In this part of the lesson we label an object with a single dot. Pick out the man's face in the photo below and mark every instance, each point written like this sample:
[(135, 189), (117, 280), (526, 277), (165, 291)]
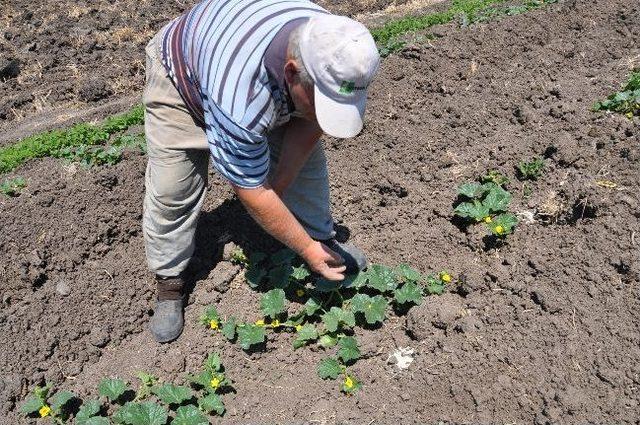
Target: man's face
[(302, 95)]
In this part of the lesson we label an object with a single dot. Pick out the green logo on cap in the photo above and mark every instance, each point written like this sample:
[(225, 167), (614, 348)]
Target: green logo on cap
[(347, 87)]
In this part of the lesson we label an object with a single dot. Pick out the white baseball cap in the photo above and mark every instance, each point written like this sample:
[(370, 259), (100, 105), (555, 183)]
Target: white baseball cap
[(342, 59)]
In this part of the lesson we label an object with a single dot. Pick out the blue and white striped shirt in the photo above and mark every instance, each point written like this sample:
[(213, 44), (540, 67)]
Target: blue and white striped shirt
[(215, 55)]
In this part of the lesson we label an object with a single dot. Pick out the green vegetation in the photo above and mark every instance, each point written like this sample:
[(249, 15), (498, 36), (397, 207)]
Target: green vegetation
[(322, 312), (530, 170), (153, 403), (487, 202), (11, 187), (626, 101), (71, 143), (469, 12)]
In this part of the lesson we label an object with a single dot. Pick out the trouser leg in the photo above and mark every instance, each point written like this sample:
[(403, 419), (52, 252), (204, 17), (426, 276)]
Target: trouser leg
[(175, 190), (308, 195), (176, 175)]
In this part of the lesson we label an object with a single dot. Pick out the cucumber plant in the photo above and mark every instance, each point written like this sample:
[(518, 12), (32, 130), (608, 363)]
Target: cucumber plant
[(322, 312), (153, 403), (488, 203)]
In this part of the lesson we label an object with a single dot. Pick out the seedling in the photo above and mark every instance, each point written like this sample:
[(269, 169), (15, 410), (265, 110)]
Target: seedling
[(323, 312), (154, 401), (530, 170), (11, 187), (626, 101), (488, 203), (42, 404)]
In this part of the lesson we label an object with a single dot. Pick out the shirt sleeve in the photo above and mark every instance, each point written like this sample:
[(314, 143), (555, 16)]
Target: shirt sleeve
[(239, 155)]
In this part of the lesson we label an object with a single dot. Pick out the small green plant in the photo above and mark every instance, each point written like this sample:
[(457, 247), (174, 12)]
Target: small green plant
[(322, 312), (154, 402), (488, 203), (11, 187), (42, 404), (626, 101), (530, 170)]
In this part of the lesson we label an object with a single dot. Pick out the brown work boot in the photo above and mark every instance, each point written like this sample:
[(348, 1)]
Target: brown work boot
[(168, 321)]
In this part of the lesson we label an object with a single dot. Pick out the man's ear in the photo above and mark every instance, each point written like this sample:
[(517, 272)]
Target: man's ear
[(290, 71)]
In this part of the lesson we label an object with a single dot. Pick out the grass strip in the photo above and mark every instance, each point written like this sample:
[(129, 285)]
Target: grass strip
[(470, 11), (53, 143)]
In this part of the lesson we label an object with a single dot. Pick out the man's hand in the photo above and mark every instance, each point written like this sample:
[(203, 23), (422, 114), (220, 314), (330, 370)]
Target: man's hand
[(324, 261), (270, 212)]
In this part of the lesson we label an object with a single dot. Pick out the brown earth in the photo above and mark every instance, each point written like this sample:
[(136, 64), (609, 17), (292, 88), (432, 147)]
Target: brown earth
[(545, 328)]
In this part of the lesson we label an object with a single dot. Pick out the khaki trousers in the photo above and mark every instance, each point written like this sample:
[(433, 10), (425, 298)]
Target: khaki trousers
[(177, 169)]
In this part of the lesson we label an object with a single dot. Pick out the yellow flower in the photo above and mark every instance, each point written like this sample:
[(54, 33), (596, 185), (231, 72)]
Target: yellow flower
[(215, 383), (44, 411), (275, 323), (487, 219), (300, 292), (446, 277), (298, 328), (260, 322), (499, 229), (213, 324), (348, 382)]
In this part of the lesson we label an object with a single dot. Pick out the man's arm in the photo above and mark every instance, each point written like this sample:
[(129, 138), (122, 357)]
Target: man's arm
[(265, 206), (300, 137)]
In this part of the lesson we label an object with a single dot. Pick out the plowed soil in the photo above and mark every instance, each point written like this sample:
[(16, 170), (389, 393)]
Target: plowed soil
[(545, 328)]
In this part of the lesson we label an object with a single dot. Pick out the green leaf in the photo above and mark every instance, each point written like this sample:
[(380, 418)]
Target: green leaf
[(147, 379), (249, 335), (59, 400), (328, 341), (213, 363), (273, 302), (279, 276), (112, 388), (435, 286), (42, 392), (311, 306), (348, 349), (147, 413), (497, 200), (502, 224), (189, 415), (355, 281), (470, 190), (408, 274), (329, 368), (381, 278), (283, 256), (257, 257), (32, 405), (336, 317), (307, 333), (94, 420), (211, 403), (172, 394), (350, 385), (373, 308), (210, 314), (229, 328), (474, 210), (202, 379), (300, 273), (254, 275), (324, 285), (408, 293), (87, 410)]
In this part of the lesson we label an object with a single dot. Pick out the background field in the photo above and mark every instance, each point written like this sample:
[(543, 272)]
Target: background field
[(545, 329)]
